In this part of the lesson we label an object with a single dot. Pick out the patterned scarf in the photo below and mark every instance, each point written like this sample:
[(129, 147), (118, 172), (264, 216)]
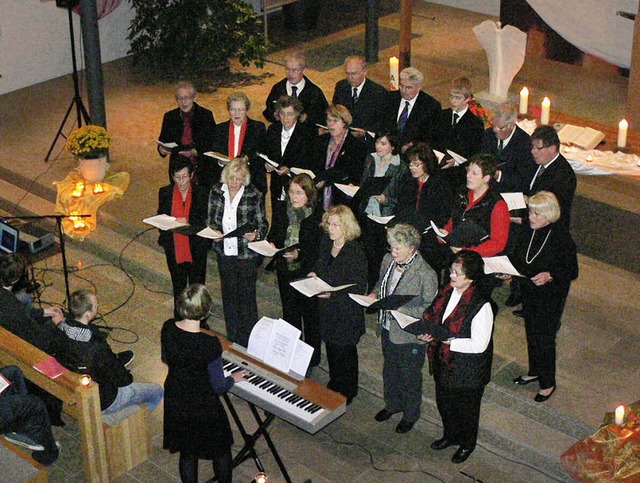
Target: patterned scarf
[(453, 323), (383, 315), (295, 216)]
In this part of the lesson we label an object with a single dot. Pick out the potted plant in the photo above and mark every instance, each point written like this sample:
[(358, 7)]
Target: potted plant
[(90, 144)]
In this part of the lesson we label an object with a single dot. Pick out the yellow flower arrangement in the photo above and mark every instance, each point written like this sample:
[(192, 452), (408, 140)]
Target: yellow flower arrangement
[(88, 142)]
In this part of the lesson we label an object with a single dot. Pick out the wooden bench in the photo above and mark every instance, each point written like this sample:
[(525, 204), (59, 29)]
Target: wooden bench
[(20, 466), (110, 448)]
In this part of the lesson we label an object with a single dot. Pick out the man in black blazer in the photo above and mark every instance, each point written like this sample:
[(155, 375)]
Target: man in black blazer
[(367, 103), (413, 112), (517, 167), (554, 172), (190, 126), (296, 84)]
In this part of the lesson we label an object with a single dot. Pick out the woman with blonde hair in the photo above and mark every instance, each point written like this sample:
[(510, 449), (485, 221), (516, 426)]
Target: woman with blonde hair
[(235, 203), (341, 261), (340, 157)]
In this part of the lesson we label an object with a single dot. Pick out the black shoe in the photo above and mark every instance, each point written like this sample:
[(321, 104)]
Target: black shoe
[(383, 415), (47, 458), (461, 455), (521, 381), (125, 357), (404, 426), (441, 443), (519, 313), (513, 300), (542, 398)]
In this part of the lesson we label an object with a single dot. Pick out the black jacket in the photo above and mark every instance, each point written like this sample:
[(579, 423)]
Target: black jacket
[(371, 102), (312, 98)]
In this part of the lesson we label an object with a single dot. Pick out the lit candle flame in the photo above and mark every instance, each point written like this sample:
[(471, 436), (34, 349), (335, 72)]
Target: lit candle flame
[(85, 380), (77, 193), (589, 158), (98, 188)]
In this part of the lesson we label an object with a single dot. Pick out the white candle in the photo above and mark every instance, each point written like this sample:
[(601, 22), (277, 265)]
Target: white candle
[(524, 101), (623, 127), (394, 72), (620, 415), (544, 114)]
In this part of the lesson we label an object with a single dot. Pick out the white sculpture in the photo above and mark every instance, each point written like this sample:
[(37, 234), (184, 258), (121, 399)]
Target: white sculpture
[(505, 48)]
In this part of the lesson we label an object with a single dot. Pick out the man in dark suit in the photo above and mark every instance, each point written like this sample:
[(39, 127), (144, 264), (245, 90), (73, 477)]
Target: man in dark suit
[(459, 130), (413, 112), (363, 97), (512, 146), (190, 126), (296, 84), (240, 136), (554, 171)]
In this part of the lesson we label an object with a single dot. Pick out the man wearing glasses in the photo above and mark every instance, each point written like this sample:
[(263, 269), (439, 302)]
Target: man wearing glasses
[(190, 126), (297, 85), (512, 146), (363, 97)]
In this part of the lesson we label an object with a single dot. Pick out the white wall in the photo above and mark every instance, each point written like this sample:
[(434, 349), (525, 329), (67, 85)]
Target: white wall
[(488, 7), (35, 45)]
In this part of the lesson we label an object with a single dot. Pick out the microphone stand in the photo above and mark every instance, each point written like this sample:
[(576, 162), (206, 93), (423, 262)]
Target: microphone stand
[(58, 219)]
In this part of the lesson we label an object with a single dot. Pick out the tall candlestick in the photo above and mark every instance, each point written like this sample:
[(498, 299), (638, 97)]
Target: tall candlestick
[(524, 101), (619, 419), (394, 72), (544, 114), (623, 127)]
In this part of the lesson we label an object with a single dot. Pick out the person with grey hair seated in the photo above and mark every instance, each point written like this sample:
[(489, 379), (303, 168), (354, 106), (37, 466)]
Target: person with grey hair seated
[(234, 204), (403, 272)]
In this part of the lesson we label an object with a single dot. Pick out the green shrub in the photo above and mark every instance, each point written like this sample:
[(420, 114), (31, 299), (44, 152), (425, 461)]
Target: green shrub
[(172, 39)]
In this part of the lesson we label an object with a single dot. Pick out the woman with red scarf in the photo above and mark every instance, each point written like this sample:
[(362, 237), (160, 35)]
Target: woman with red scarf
[(459, 331), (186, 254)]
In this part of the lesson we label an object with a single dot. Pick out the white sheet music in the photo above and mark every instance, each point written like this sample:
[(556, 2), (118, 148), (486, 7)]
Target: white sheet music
[(348, 190), (263, 247), (515, 201), (403, 319), (163, 222), (456, 157), (5, 383), (363, 300), (210, 233), (500, 264), (311, 286), (277, 343), (167, 145), (301, 357), (383, 220), (311, 174)]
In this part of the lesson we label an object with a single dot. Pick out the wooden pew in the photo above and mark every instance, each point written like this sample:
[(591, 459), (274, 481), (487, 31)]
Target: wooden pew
[(20, 466), (80, 402)]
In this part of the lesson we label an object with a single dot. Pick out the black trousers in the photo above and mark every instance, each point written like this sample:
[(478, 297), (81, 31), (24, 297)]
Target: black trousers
[(402, 377), (23, 413), (460, 413), (343, 369), (301, 312), (238, 285), (184, 274)]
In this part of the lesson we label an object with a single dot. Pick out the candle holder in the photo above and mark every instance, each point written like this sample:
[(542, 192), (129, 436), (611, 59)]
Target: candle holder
[(261, 478), (619, 415), (85, 380)]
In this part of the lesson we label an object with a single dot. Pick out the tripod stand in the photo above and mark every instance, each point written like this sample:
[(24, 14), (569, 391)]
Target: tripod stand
[(81, 111)]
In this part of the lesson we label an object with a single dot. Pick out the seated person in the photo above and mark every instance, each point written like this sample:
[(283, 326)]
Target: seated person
[(32, 325), (24, 420), (95, 358)]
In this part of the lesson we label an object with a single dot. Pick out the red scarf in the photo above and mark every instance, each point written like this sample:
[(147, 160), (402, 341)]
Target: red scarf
[(420, 185), (180, 209), (232, 139), (453, 323)]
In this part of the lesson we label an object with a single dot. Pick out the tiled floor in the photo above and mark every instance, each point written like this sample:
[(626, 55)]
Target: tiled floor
[(520, 440)]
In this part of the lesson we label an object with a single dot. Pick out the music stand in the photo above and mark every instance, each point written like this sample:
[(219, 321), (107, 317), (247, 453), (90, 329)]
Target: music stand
[(58, 219), (81, 111)]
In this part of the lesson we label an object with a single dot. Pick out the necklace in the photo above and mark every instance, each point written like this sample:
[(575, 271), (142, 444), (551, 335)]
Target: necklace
[(539, 250)]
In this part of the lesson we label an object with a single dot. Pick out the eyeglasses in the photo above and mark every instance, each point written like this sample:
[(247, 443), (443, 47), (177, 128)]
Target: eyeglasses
[(453, 273), (415, 164), (292, 70), (237, 110), (538, 148), (184, 98), (353, 74), (181, 177), (287, 114), (502, 128)]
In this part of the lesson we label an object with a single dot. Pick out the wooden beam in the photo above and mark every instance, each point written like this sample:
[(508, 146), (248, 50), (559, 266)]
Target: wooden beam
[(633, 100), (406, 12)]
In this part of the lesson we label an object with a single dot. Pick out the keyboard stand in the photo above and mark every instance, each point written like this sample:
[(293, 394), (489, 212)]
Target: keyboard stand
[(248, 450)]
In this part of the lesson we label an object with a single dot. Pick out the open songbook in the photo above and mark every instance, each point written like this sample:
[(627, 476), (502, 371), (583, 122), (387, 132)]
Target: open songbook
[(277, 343), (390, 302), (583, 137), (383, 220), (349, 190), (4, 383), (500, 264), (311, 174), (466, 234), (515, 201), (312, 286), (169, 146), (163, 222), (219, 156), (216, 235), (264, 248)]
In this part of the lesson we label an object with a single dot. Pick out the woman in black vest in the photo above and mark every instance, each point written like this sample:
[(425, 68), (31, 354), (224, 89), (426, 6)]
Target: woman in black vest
[(460, 322)]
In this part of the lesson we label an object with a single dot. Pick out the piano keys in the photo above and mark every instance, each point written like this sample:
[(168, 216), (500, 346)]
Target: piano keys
[(305, 404)]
